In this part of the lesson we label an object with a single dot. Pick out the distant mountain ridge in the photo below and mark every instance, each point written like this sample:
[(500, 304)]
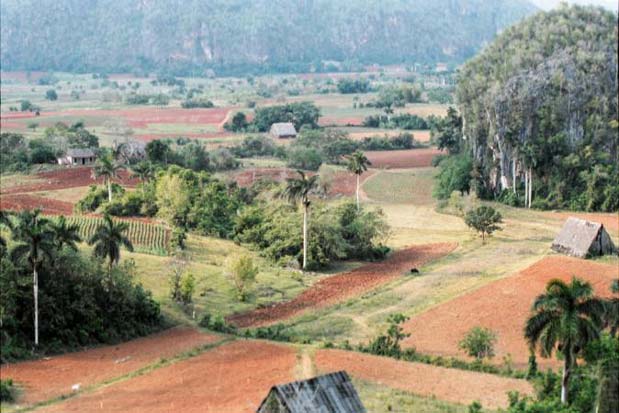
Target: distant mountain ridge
[(185, 36)]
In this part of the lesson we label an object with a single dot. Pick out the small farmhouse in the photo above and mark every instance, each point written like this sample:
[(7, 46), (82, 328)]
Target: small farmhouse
[(78, 157), (580, 238), (331, 393), (283, 130)]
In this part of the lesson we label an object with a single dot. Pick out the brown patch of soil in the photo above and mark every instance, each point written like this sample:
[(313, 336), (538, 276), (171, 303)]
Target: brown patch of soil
[(345, 183), (247, 177), (233, 377), (19, 202), (406, 158), (67, 178), (451, 385), (503, 306), (346, 285), (610, 220), (49, 378)]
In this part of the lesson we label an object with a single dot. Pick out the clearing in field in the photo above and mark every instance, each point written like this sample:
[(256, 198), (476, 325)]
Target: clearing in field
[(405, 158), (338, 287), (457, 386), (502, 306), (233, 377), (49, 378)]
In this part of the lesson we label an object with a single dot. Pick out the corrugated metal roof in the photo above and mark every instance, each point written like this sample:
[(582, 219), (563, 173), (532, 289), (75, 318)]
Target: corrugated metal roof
[(283, 129), (331, 393), (80, 153), (580, 238)]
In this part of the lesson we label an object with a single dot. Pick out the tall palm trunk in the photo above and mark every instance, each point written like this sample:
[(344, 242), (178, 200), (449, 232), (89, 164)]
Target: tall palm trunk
[(35, 276), (567, 371), (358, 190), (530, 186), (305, 213), (526, 188), (109, 189)]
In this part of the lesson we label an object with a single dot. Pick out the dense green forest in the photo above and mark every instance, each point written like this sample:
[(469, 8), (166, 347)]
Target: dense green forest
[(539, 113), (190, 37)]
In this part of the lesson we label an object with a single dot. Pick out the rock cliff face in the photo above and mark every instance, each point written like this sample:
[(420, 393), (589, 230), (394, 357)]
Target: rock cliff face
[(542, 98), (118, 35)]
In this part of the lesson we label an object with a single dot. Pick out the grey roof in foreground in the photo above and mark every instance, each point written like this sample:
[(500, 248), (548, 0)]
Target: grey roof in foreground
[(283, 129), (80, 153), (581, 238), (330, 393)]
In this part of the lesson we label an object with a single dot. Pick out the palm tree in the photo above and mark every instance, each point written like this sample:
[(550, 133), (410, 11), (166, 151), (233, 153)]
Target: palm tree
[(108, 169), (357, 164), (35, 240), (65, 234), (299, 190), (567, 316), (108, 238), (143, 171), (611, 316), (6, 222)]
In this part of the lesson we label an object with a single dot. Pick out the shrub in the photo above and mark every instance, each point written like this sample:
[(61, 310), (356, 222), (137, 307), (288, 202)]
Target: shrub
[(7, 391), (51, 95), (388, 344), (242, 272), (216, 324), (308, 159), (455, 175), (479, 342), (484, 220), (187, 287), (197, 103)]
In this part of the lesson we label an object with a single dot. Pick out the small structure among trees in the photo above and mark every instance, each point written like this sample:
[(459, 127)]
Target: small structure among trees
[(331, 393), (78, 156), (580, 238), (283, 130)]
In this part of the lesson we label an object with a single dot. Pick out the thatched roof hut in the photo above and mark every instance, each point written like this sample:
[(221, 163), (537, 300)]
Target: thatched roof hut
[(580, 238), (283, 130), (331, 393)]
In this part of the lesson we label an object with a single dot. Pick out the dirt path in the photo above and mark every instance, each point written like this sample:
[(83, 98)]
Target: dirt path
[(503, 306), (233, 377), (52, 377), (451, 385), (340, 287)]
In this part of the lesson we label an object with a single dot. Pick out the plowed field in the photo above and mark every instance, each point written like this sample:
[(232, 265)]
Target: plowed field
[(342, 286), (503, 306), (233, 377), (451, 385), (66, 178), (49, 378), (407, 158), (19, 202)]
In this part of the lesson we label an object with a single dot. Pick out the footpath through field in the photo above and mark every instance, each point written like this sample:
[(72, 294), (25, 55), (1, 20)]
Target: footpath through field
[(52, 377), (502, 306), (343, 286)]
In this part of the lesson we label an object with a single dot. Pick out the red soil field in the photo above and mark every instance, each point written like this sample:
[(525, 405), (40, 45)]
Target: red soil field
[(407, 158), (21, 76), (451, 385), (233, 377), (346, 285), (247, 177), (330, 121), (52, 377), (66, 178), (345, 183), (610, 221), (503, 306), (19, 202), (152, 136)]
